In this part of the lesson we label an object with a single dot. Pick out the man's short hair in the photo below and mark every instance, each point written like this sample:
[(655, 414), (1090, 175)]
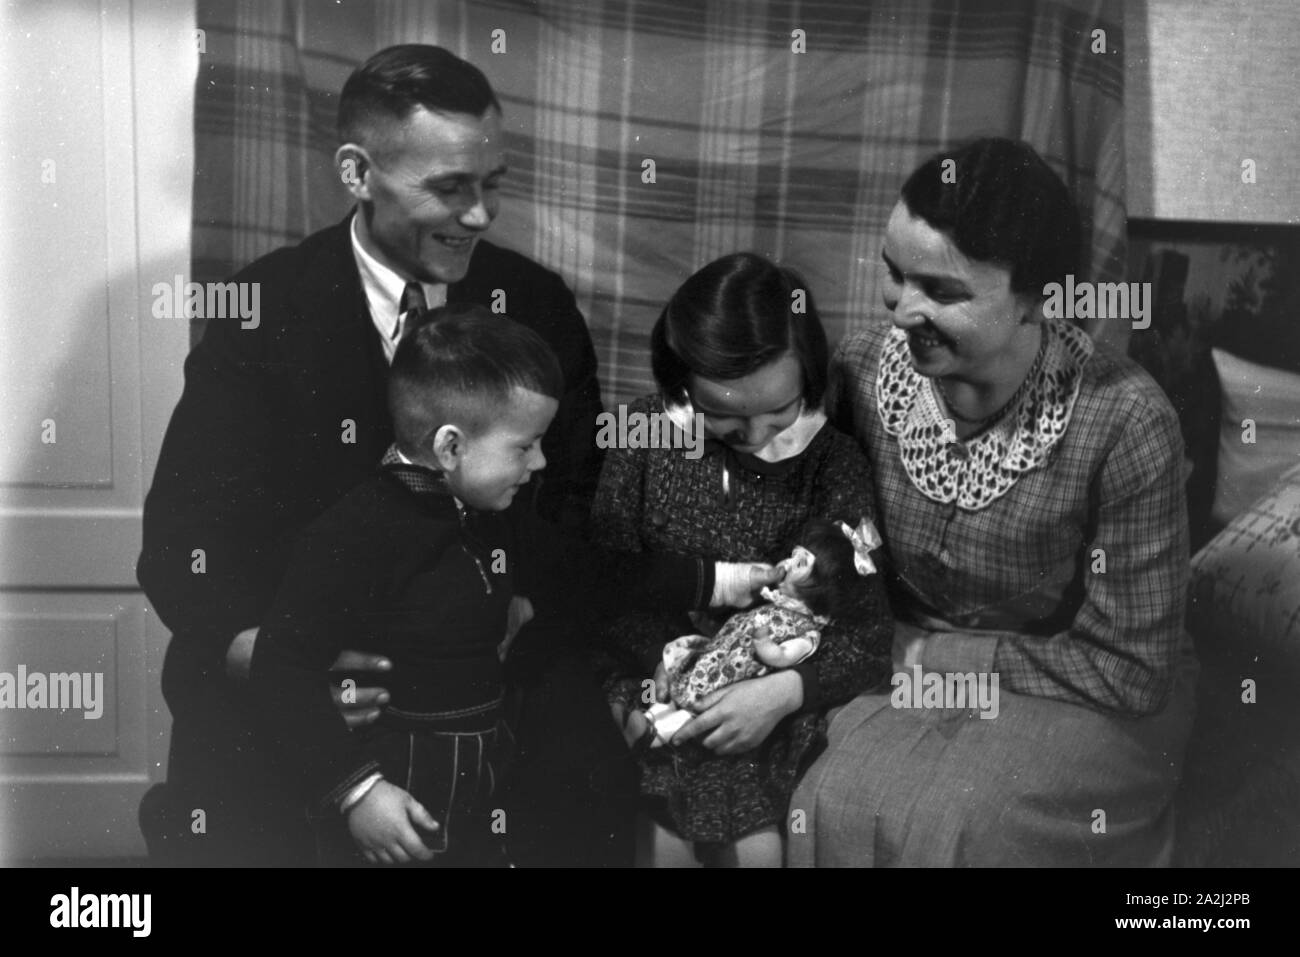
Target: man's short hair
[(396, 80), (460, 367)]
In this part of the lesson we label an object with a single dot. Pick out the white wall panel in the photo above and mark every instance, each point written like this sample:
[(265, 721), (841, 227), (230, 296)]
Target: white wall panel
[(96, 120)]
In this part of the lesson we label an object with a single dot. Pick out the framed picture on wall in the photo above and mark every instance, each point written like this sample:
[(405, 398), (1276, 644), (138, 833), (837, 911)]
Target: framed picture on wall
[(1225, 323)]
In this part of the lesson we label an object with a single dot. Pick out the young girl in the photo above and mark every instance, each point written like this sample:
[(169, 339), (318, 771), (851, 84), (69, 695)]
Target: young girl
[(821, 580), (729, 349)]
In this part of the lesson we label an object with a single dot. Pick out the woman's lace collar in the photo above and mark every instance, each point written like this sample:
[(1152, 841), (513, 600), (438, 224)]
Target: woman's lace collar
[(977, 472)]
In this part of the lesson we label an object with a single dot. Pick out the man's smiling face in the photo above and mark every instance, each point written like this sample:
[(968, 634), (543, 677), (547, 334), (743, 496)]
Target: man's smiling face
[(427, 188)]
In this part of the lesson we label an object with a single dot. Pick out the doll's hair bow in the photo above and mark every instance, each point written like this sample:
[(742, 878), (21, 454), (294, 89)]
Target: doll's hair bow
[(864, 538)]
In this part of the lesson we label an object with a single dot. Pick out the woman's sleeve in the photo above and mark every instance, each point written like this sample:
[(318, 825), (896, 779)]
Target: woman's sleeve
[(1119, 653), (854, 654)]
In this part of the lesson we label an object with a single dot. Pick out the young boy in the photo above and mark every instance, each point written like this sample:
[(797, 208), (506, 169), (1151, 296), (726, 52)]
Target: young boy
[(419, 564)]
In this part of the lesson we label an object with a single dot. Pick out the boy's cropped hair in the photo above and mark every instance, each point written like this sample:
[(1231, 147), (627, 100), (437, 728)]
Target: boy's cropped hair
[(396, 80), (459, 367)]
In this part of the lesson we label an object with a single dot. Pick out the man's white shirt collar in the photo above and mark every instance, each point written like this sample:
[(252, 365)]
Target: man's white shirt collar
[(383, 288)]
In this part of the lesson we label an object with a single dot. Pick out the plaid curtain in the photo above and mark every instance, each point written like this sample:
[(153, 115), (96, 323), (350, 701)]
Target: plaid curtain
[(795, 155)]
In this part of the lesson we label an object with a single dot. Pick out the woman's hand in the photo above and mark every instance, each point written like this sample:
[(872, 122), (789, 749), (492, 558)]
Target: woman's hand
[(739, 717), (909, 642)]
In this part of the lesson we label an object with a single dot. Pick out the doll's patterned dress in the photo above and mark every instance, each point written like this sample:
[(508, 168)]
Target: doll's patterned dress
[(697, 665)]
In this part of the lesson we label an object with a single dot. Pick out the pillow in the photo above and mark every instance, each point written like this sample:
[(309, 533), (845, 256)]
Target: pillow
[(1240, 797), (1271, 397), (1245, 584)]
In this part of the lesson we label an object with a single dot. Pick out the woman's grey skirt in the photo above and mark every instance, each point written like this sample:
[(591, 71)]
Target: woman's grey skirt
[(1045, 783)]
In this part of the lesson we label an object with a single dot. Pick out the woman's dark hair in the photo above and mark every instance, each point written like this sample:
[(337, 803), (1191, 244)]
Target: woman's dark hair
[(1003, 204), (734, 316), (397, 79), (834, 587)]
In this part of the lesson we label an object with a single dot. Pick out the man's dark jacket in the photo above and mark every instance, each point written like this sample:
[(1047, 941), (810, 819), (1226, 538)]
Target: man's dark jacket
[(277, 422), (274, 425)]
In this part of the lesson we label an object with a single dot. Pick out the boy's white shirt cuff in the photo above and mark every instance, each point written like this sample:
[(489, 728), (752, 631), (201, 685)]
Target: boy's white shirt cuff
[(353, 797)]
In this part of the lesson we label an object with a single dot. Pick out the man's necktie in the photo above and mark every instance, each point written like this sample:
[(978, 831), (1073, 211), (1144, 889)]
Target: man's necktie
[(411, 309)]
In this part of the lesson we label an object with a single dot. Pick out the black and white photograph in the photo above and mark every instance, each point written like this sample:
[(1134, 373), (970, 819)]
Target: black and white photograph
[(620, 434)]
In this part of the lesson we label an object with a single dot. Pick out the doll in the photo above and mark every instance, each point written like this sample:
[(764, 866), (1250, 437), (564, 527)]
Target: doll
[(820, 576)]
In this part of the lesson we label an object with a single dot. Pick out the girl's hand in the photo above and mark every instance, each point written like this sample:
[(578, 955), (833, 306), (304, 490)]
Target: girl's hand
[(739, 717), (737, 584), (661, 684), (384, 826)]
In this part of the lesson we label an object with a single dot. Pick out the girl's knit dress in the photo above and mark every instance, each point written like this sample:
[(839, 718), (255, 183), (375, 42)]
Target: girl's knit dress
[(735, 507)]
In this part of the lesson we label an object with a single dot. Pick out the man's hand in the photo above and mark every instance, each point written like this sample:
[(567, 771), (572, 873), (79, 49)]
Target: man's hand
[(519, 614), (362, 705), (384, 826), (739, 717), (359, 706), (735, 584), (239, 656)]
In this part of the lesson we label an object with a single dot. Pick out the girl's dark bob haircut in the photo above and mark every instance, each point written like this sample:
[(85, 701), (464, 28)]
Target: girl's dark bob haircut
[(732, 317)]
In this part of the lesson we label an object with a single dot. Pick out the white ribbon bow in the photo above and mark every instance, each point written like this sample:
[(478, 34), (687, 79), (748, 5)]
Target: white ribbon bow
[(864, 539)]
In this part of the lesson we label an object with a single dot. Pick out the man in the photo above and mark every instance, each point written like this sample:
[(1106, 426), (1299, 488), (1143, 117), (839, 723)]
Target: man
[(276, 422)]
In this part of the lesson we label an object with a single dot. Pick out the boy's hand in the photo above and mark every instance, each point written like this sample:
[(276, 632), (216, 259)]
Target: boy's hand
[(384, 826), (362, 705)]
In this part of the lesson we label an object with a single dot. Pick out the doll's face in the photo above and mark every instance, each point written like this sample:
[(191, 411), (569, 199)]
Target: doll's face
[(798, 570)]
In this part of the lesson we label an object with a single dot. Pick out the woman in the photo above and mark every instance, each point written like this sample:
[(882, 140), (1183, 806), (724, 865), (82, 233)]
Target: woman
[(1029, 490), (732, 346)]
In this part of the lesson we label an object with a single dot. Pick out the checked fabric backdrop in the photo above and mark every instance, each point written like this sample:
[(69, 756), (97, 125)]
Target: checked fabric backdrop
[(798, 156)]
